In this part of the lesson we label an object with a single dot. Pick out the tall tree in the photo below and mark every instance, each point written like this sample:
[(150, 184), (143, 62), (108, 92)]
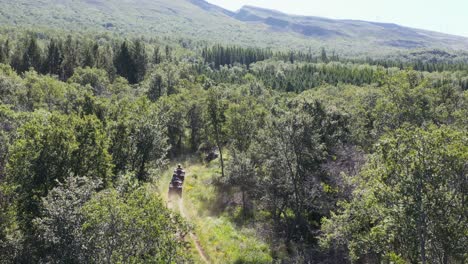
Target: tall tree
[(140, 60), (242, 123), (324, 56), (157, 56), (105, 60), (168, 53), (89, 55), (70, 58), (124, 63), (156, 87), (3, 53), (31, 56), (54, 58), (242, 174), (215, 109), (297, 142), (139, 142)]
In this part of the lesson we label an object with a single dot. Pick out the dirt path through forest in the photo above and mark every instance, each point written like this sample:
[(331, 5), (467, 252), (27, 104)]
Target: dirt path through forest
[(193, 236), (195, 239)]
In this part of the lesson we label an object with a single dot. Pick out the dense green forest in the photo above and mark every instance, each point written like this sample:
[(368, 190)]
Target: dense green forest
[(329, 159)]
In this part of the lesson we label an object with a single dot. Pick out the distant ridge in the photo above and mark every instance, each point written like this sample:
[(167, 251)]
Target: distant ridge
[(249, 26)]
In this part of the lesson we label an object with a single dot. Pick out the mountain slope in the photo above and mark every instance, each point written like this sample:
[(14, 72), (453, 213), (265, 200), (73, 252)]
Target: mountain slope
[(201, 20), (384, 34)]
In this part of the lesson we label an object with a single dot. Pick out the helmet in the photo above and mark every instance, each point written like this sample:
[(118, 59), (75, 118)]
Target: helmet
[(179, 166)]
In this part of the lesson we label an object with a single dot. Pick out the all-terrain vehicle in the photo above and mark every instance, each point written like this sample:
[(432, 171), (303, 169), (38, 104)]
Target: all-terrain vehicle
[(177, 182), (179, 172), (175, 187)]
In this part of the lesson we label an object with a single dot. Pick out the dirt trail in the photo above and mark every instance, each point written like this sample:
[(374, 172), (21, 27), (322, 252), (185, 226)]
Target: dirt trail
[(194, 237)]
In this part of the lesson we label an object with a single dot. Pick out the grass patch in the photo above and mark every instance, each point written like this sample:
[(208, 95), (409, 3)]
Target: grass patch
[(227, 244)]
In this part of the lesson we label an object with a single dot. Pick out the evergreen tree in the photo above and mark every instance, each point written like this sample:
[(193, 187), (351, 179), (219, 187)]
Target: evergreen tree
[(89, 56), (105, 60), (155, 87), (31, 56), (140, 60), (157, 57), (168, 51), (323, 56), (54, 58), (70, 58), (7, 49), (3, 54), (124, 63)]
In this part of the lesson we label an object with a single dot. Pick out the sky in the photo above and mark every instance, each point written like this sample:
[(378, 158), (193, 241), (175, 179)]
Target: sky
[(448, 16)]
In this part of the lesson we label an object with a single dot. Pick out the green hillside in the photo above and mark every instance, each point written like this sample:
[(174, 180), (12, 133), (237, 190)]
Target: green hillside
[(197, 19), (379, 34)]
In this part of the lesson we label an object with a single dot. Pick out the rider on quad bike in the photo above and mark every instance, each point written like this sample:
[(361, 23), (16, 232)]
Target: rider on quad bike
[(175, 187), (179, 172)]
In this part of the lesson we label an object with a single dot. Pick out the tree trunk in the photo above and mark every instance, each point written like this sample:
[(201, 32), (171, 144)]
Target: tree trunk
[(221, 159), (218, 143), (244, 213)]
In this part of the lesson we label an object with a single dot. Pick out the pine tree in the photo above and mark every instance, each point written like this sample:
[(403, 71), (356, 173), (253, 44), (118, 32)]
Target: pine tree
[(157, 57), (54, 58), (89, 58), (124, 63), (70, 58), (105, 60), (6, 49), (156, 87), (140, 60), (168, 53), (3, 57), (324, 55), (31, 56)]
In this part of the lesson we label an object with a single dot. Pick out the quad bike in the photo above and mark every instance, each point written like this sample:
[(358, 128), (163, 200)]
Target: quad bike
[(175, 187), (179, 173), (177, 182)]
